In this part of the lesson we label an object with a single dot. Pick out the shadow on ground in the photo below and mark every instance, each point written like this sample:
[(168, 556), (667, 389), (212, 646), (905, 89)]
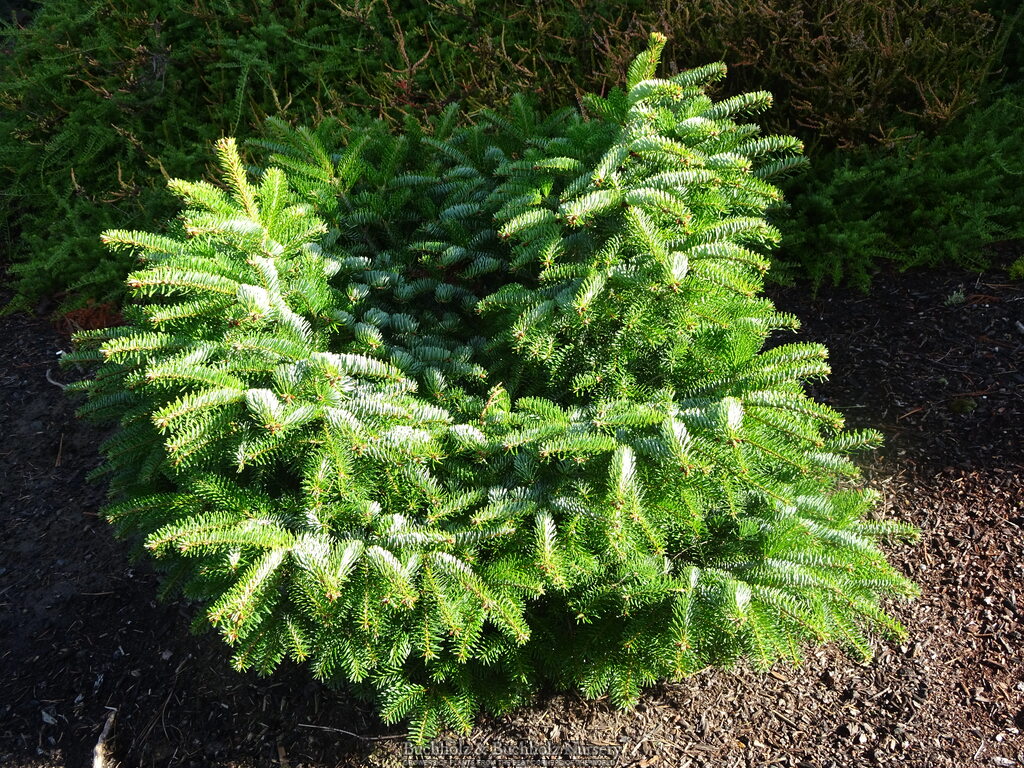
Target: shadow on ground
[(936, 368)]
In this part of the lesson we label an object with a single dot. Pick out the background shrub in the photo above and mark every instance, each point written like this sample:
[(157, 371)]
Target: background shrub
[(454, 415), (105, 100), (1009, 18), (928, 201)]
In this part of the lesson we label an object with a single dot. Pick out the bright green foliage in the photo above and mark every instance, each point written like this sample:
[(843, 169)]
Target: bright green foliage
[(454, 414), (102, 100), (930, 202)]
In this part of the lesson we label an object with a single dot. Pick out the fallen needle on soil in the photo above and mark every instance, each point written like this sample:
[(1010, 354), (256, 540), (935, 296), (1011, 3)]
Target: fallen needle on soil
[(348, 733), (53, 381)]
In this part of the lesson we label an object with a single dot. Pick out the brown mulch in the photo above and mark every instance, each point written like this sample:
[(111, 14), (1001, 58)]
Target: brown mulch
[(935, 363)]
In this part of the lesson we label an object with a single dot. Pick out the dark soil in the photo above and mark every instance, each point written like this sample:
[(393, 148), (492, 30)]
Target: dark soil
[(934, 363)]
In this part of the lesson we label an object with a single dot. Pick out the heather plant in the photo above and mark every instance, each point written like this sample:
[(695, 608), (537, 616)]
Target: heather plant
[(849, 73), (103, 101), (454, 413)]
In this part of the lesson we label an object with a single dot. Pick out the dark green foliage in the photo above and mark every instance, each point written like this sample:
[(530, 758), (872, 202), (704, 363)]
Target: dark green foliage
[(929, 202), (104, 99), (457, 413), (107, 100), (1009, 15)]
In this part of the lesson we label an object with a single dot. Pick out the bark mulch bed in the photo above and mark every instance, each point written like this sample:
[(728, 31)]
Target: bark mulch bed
[(933, 362)]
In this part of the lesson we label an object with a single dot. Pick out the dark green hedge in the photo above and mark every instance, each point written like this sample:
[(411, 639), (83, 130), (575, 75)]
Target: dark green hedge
[(103, 100), (927, 202)]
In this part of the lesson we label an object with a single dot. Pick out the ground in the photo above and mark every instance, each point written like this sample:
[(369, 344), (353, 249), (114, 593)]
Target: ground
[(935, 363)]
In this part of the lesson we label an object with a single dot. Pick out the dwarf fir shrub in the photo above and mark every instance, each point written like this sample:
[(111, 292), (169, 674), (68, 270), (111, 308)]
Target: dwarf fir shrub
[(457, 413)]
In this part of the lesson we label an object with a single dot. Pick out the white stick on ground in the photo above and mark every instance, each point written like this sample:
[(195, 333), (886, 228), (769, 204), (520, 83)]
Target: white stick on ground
[(99, 752)]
